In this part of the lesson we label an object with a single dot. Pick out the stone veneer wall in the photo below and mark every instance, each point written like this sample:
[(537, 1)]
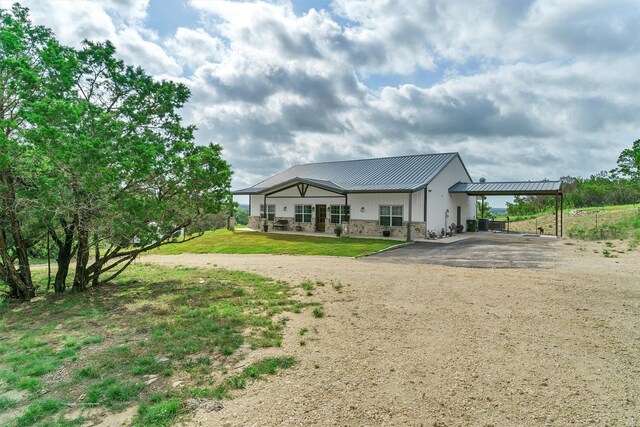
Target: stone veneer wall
[(355, 227), (255, 223), (359, 227)]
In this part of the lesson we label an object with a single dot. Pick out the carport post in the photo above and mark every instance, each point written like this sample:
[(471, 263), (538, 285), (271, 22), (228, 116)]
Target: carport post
[(561, 212), (556, 214)]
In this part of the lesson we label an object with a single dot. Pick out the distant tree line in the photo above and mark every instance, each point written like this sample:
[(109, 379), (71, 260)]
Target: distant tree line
[(94, 160), (619, 186)]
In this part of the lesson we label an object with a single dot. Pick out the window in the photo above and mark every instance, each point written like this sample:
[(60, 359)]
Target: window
[(391, 215), (339, 214), (271, 212), (302, 213)]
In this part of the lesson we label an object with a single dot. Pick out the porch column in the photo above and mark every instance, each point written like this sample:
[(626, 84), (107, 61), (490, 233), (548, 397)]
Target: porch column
[(409, 219)]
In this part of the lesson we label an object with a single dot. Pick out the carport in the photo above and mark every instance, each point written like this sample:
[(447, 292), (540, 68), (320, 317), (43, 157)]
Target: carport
[(515, 188)]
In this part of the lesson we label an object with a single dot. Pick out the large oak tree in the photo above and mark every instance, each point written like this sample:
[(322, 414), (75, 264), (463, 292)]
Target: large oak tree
[(104, 160)]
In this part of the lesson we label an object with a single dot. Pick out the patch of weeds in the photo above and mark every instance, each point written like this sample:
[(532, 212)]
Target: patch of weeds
[(303, 343), (608, 244), (320, 283), (338, 287), (303, 331), (146, 365), (160, 413), (271, 336), (88, 372), (113, 394), (307, 285), (62, 422), (37, 411), (32, 385), (608, 254), (257, 371), (220, 392), (91, 340), (318, 312), (6, 403), (316, 366), (236, 383)]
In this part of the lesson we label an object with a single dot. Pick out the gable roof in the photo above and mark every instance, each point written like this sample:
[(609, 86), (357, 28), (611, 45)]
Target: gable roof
[(387, 174)]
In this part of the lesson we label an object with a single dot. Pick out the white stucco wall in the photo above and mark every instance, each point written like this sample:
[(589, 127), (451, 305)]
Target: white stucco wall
[(371, 202), (439, 199)]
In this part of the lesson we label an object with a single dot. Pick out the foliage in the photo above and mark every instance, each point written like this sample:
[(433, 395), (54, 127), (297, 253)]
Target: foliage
[(251, 242), (241, 216), (94, 155), (629, 162), (483, 208)]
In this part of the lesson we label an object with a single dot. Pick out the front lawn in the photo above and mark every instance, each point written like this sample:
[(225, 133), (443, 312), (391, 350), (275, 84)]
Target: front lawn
[(253, 242)]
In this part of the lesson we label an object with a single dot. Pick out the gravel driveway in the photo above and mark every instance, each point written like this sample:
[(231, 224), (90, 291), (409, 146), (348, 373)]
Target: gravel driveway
[(419, 344)]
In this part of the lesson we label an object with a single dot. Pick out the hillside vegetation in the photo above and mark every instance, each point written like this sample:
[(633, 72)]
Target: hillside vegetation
[(594, 223)]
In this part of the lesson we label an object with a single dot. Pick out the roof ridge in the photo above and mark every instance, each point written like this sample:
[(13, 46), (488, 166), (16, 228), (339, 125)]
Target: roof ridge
[(374, 158)]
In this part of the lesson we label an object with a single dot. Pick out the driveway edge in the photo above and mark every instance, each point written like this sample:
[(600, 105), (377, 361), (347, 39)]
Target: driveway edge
[(400, 245)]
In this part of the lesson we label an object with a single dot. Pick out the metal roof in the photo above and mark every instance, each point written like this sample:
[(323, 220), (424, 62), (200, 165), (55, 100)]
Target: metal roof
[(404, 173), (513, 188)]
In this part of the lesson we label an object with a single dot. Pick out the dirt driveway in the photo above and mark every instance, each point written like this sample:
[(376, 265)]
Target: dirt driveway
[(415, 344), (481, 250)]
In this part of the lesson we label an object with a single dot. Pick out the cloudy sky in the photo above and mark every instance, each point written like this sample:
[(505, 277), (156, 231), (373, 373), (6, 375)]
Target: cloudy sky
[(522, 89)]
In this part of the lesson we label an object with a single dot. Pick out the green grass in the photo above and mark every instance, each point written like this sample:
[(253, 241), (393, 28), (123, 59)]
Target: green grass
[(251, 242), (161, 410), (6, 403), (37, 411), (113, 393), (159, 413), (152, 321)]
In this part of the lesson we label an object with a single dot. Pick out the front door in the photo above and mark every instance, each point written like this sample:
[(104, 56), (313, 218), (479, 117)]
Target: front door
[(321, 216), (459, 219)]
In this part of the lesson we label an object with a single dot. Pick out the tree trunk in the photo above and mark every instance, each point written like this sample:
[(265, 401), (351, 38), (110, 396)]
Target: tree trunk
[(18, 279), (81, 277), (65, 254), (96, 275)]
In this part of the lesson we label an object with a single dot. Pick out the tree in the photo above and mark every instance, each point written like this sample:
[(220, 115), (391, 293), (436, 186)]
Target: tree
[(124, 164), (110, 163), (629, 162), (28, 55)]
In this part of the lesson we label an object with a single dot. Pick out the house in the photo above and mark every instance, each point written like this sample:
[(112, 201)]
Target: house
[(406, 194)]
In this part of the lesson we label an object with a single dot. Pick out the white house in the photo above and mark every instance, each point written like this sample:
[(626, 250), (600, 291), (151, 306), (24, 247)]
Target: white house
[(400, 194)]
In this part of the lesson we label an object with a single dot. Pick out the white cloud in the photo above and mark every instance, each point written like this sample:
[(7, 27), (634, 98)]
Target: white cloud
[(529, 89)]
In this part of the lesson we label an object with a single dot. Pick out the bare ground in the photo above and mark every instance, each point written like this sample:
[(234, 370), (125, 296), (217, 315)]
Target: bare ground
[(418, 344)]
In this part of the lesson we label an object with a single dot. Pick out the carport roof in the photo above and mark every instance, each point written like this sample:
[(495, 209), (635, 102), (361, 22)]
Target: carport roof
[(513, 188)]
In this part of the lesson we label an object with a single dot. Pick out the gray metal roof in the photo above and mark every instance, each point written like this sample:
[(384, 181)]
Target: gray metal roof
[(514, 188), (404, 173)]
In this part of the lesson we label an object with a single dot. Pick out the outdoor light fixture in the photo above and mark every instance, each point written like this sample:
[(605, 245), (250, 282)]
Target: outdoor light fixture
[(285, 208), (362, 209)]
